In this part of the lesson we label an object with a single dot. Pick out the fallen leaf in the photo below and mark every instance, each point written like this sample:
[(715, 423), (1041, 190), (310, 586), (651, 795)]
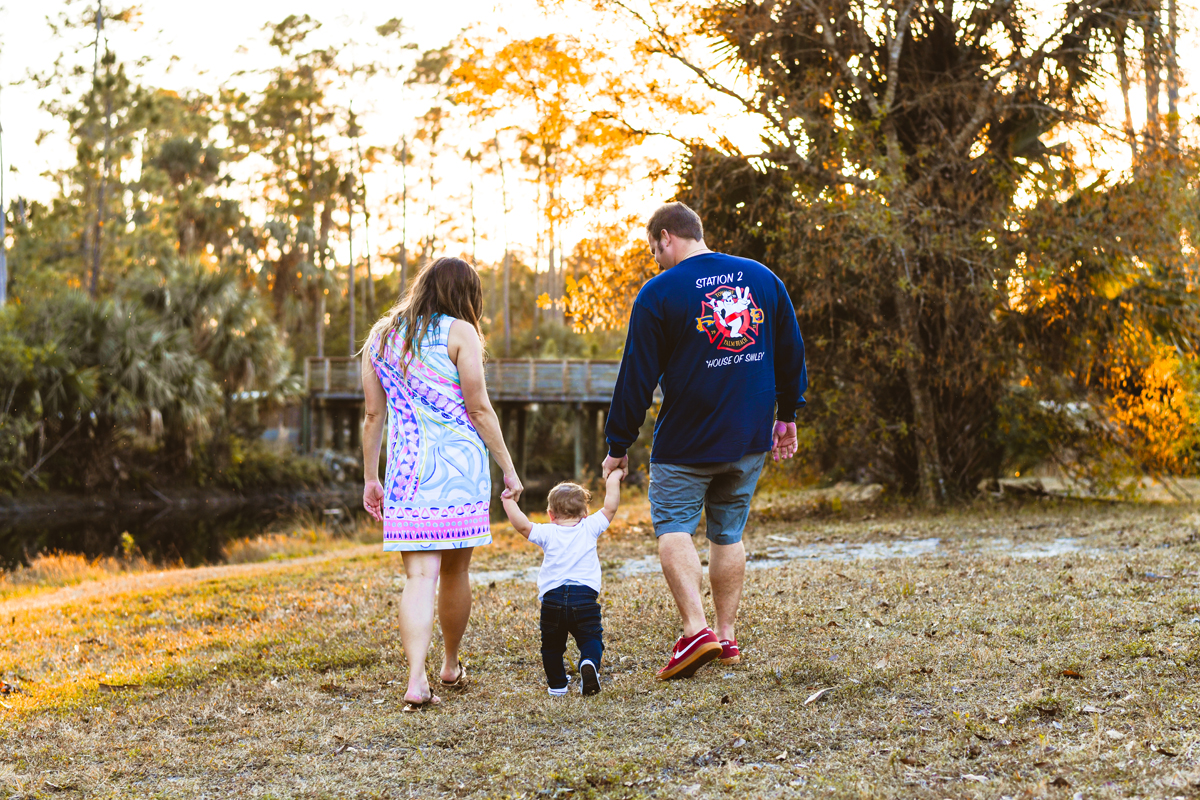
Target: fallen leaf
[(1091, 710), (983, 737), (881, 664), (1060, 781), (910, 761), (922, 671), (782, 756), (1114, 734), (725, 700), (738, 743), (832, 624), (7, 688), (1160, 749), (1070, 673), (817, 695), (977, 778)]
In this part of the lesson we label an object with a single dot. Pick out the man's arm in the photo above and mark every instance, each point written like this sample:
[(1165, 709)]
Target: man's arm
[(791, 377), (515, 515), (641, 367), (612, 493)]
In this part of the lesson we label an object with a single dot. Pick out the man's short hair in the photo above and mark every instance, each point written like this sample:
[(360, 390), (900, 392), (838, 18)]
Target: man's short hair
[(677, 220), (568, 501)]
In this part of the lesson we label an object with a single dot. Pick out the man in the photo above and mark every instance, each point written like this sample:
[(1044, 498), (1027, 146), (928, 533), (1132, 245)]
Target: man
[(719, 333)]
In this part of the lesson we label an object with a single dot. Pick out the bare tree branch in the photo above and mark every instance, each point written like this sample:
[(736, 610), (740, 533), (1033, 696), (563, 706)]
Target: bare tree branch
[(831, 42), (668, 48), (895, 45)]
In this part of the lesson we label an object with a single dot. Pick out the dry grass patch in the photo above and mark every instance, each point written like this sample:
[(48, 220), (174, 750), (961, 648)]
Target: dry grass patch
[(52, 570), (965, 673)]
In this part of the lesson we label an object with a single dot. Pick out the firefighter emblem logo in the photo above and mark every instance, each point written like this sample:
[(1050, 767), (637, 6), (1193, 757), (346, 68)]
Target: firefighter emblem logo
[(730, 317)]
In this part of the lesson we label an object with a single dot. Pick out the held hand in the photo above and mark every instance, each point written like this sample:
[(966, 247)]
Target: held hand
[(512, 486), (611, 464), (783, 440), (373, 499), (616, 475)]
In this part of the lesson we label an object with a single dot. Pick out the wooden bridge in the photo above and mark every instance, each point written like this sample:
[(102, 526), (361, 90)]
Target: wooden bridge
[(517, 386)]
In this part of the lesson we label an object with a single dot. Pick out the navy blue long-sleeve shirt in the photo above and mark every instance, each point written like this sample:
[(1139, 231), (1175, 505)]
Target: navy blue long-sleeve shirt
[(719, 333)]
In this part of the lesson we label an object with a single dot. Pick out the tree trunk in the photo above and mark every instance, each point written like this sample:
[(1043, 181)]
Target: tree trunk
[(98, 236), (504, 210), (507, 309), (352, 289), (1153, 67), (929, 462), (322, 244), (366, 235), (1123, 71), (403, 216), (1172, 74)]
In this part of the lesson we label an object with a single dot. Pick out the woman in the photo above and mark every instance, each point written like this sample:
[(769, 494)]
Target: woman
[(423, 368)]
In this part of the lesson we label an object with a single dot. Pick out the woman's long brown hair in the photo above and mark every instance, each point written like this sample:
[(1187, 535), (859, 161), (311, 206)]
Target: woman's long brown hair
[(448, 286)]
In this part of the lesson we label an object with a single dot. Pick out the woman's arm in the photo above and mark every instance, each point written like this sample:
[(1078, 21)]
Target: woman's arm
[(372, 437), (465, 351)]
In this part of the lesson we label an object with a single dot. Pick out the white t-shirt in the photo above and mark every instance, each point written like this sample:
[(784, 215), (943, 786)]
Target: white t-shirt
[(570, 553)]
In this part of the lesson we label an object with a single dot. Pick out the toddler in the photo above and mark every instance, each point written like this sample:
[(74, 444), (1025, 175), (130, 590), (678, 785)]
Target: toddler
[(569, 581)]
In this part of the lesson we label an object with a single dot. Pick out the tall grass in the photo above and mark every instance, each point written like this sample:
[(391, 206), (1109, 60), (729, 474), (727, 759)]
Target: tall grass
[(48, 570), (305, 536)]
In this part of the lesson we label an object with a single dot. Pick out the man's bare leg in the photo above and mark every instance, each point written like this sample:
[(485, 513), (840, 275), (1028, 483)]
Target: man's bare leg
[(681, 566), (727, 573)]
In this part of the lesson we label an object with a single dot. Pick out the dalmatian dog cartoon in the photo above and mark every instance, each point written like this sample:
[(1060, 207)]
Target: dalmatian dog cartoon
[(729, 314), (731, 309)]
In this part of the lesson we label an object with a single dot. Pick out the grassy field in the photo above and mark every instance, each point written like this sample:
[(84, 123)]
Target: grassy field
[(1050, 649)]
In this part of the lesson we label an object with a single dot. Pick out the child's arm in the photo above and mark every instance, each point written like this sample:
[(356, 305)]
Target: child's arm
[(515, 515), (612, 493)]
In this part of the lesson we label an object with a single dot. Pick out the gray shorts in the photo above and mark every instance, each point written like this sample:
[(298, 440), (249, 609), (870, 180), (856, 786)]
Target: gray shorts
[(679, 491)]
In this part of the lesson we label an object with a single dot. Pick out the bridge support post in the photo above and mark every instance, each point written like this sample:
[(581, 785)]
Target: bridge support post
[(355, 418), (306, 425), (577, 414), (337, 421), (521, 449), (318, 437)]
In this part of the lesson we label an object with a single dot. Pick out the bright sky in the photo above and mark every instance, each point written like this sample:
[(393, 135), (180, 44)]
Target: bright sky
[(190, 50), (192, 46)]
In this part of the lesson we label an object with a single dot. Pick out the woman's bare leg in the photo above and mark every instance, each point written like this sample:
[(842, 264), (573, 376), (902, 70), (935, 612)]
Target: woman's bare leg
[(416, 618), (454, 606)]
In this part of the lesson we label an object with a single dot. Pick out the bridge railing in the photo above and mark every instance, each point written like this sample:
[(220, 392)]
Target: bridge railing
[(332, 376), (527, 380)]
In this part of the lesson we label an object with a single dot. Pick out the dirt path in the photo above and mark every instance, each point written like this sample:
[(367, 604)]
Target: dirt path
[(146, 581)]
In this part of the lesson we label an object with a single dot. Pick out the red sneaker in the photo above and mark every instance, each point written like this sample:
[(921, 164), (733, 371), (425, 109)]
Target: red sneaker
[(730, 654), (690, 654)]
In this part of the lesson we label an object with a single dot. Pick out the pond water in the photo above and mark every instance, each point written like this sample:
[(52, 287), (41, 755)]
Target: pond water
[(193, 530)]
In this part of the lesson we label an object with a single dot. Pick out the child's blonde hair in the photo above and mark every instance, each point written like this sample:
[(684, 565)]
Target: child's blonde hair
[(568, 501)]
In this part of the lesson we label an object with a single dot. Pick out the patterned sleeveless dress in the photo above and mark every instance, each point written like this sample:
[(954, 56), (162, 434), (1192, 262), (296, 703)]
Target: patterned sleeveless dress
[(438, 486)]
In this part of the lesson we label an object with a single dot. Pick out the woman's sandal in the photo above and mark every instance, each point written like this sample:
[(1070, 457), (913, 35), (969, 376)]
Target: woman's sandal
[(458, 683), (411, 708)]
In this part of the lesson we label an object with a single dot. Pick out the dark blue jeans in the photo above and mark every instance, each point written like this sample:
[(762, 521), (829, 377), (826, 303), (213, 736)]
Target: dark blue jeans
[(570, 610)]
